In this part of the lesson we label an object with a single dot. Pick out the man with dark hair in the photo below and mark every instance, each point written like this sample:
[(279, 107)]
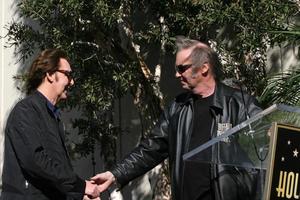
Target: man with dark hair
[(36, 161), (192, 119)]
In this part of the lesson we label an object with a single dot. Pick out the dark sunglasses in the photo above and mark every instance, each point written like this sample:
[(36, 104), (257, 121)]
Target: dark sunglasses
[(67, 73), (182, 68)]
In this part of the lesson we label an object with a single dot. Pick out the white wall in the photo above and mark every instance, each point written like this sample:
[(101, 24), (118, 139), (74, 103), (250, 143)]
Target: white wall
[(8, 68), (282, 59)]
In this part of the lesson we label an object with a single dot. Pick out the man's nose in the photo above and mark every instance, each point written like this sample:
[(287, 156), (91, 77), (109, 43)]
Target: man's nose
[(71, 83), (177, 75)]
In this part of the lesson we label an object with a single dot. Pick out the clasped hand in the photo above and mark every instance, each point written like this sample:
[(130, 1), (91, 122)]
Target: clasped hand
[(91, 191), (98, 184)]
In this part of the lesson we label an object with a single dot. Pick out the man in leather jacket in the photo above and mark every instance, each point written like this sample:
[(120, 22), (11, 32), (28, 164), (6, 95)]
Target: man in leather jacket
[(192, 119)]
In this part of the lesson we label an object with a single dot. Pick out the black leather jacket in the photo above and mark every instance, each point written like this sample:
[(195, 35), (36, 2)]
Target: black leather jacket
[(174, 126)]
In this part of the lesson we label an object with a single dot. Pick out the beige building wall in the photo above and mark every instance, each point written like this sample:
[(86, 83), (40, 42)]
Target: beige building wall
[(8, 68)]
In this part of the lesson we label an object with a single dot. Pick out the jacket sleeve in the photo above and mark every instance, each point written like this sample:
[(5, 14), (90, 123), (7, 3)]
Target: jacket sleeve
[(245, 106), (149, 153), (24, 134), (253, 106)]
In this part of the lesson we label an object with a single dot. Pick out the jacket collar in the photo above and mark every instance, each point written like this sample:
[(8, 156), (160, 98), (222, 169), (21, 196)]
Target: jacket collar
[(52, 109), (218, 97)]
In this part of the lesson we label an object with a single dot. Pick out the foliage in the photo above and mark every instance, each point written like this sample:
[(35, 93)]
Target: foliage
[(109, 40), (284, 87), (235, 29)]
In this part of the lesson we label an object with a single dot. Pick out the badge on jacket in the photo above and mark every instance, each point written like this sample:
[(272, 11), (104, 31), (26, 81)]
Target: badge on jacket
[(222, 127)]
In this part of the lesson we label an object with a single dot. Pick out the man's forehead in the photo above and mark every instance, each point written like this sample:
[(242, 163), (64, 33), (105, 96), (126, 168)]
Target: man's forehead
[(64, 63), (183, 55)]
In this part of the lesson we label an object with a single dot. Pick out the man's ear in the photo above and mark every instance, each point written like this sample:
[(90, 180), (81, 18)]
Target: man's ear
[(205, 69), (50, 77)]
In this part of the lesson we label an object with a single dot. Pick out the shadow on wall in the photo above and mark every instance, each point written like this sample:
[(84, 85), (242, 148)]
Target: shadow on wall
[(282, 59)]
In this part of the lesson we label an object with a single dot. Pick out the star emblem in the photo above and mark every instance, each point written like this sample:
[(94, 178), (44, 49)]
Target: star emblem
[(295, 152), (282, 159)]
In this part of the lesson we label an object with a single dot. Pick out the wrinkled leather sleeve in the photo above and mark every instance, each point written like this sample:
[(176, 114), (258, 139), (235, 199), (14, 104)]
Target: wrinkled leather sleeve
[(253, 106), (149, 153)]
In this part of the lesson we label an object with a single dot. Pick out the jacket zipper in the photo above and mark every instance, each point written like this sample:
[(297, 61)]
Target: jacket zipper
[(26, 184)]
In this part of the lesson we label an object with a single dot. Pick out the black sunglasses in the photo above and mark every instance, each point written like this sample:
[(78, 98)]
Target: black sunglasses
[(182, 68), (67, 73)]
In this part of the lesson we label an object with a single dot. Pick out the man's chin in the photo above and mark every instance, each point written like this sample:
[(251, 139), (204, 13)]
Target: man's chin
[(186, 87), (64, 95)]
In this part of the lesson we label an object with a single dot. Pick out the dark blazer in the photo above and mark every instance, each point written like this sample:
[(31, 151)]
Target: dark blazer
[(36, 162), (174, 127)]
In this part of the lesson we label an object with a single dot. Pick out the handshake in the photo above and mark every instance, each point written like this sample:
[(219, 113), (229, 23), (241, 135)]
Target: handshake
[(98, 184)]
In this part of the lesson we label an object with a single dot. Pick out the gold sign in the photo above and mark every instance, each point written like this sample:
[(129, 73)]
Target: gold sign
[(282, 180)]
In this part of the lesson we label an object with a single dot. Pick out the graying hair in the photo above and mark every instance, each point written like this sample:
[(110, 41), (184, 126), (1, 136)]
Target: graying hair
[(185, 43), (201, 54)]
